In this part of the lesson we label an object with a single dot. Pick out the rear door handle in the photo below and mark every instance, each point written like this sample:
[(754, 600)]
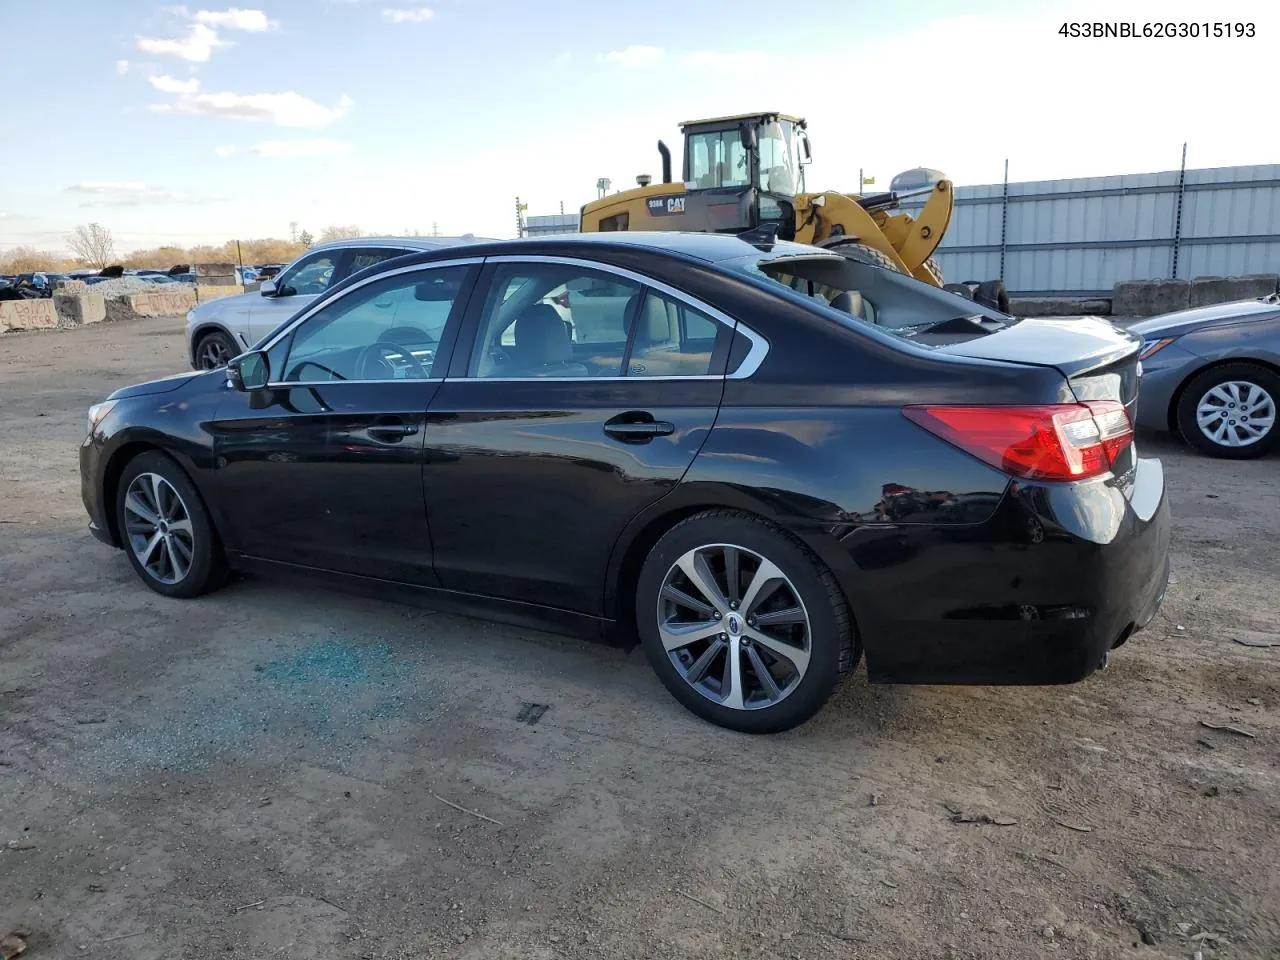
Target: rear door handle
[(638, 428), (392, 431)]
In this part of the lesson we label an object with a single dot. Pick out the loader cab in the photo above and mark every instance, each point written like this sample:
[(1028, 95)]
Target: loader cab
[(742, 172)]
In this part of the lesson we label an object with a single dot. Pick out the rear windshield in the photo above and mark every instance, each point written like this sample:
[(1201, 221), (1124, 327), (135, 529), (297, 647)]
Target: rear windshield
[(858, 294)]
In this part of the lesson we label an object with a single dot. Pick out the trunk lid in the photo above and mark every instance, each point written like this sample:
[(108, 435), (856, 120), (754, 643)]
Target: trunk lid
[(1098, 358)]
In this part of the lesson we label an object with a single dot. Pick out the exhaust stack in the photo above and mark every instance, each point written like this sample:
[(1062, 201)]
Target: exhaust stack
[(666, 162)]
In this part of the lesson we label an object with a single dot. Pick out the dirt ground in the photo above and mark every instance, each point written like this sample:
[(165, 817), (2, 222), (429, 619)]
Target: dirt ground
[(277, 771)]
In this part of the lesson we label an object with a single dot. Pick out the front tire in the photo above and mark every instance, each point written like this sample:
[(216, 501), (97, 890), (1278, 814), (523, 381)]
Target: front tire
[(742, 623), (1229, 411), (214, 349), (165, 530), (864, 254)]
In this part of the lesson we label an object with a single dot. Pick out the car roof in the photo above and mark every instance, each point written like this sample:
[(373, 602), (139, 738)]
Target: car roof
[(708, 247), (408, 243)]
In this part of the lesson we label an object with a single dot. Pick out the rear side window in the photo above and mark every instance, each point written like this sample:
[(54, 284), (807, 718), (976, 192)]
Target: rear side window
[(362, 257), (672, 339)]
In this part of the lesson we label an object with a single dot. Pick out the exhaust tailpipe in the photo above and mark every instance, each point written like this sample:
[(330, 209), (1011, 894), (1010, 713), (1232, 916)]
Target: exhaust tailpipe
[(666, 162)]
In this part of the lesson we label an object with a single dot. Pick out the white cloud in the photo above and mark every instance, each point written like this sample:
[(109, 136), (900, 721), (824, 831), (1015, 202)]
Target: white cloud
[(414, 15), (636, 55), (122, 67), (197, 46), (288, 109), (124, 193), (173, 85), (289, 149), (254, 21)]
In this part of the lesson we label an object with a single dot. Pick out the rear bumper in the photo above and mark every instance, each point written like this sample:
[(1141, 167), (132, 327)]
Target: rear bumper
[(1039, 594)]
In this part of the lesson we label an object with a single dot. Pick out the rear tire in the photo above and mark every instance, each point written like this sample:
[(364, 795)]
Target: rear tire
[(774, 607), (165, 529), (959, 289), (1251, 429), (864, 254), (991, 293)]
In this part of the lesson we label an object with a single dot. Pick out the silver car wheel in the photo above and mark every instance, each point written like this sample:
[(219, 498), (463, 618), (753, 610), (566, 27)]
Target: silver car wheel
[(1236, 413), (158, 528), (734, 626)]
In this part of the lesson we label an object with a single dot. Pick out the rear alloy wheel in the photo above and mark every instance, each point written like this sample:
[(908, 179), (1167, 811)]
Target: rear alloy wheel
[(742, 624), (165, 529), (214, 350), (1230, 411)]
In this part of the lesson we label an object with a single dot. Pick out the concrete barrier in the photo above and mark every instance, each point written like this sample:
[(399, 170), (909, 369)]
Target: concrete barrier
[(27, 315), (162, 303), (204, 293), (71, 286), (1207, 290), (1058, 307), (75, 309), (1147, 298)]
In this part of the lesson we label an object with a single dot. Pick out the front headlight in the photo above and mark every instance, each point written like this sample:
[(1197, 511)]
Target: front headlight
[(97, 412), (1152, 347)]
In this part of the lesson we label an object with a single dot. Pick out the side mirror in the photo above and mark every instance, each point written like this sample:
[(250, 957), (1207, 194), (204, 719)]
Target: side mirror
[(267, 288), (747, 134), (249, 371)]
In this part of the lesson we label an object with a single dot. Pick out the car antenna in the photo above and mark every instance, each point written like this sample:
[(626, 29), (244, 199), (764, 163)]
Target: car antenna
[(762, 237)]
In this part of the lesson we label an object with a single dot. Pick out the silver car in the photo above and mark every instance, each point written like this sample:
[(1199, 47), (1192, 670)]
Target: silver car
[(224, 328), (1212, 374)]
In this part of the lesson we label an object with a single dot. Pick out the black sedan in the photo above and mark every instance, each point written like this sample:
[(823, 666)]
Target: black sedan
[(760, 460)]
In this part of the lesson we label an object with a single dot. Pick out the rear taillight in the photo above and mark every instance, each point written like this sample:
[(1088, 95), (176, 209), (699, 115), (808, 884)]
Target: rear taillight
[(1061, 441)]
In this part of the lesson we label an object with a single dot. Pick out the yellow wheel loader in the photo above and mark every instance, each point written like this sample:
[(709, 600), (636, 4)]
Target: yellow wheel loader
[(746, 173)]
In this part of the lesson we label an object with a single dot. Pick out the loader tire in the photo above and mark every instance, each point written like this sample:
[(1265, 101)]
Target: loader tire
[(935, 270), (991, 293), (959, 288), (864, 254)]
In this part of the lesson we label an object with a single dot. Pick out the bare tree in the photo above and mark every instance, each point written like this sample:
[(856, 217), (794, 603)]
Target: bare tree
[(340, 232), (306, 239), (93, 244)]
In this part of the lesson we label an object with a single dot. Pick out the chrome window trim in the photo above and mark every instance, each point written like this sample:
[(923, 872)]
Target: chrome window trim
[(750, 363), (312, 310)]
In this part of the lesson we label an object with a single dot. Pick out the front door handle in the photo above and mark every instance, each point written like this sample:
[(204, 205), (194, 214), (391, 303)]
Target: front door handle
[(392, 431), (638, 427)]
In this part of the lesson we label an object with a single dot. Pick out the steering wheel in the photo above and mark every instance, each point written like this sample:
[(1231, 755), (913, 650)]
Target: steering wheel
[(386, 360)]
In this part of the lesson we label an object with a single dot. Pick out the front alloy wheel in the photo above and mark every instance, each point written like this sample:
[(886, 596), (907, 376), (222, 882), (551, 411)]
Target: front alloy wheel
[(158, 527), (734, 626), (214, 350), (165, 529), (1230, 410), (1236, 413)]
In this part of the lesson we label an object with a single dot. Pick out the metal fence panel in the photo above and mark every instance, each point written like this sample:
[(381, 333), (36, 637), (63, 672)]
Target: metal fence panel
[(1080, 237)]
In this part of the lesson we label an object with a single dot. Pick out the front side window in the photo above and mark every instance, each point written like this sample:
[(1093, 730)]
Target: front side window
[(387, 330), (718, 160), (310, 275)]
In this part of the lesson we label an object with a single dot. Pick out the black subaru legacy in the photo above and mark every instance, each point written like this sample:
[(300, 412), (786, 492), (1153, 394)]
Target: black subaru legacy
[(759, 461)]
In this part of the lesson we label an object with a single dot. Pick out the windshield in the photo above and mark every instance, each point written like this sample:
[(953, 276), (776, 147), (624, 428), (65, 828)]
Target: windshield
[(859, 294)]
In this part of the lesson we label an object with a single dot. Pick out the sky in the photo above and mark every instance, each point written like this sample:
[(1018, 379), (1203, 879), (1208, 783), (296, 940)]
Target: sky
[(209, 122)]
